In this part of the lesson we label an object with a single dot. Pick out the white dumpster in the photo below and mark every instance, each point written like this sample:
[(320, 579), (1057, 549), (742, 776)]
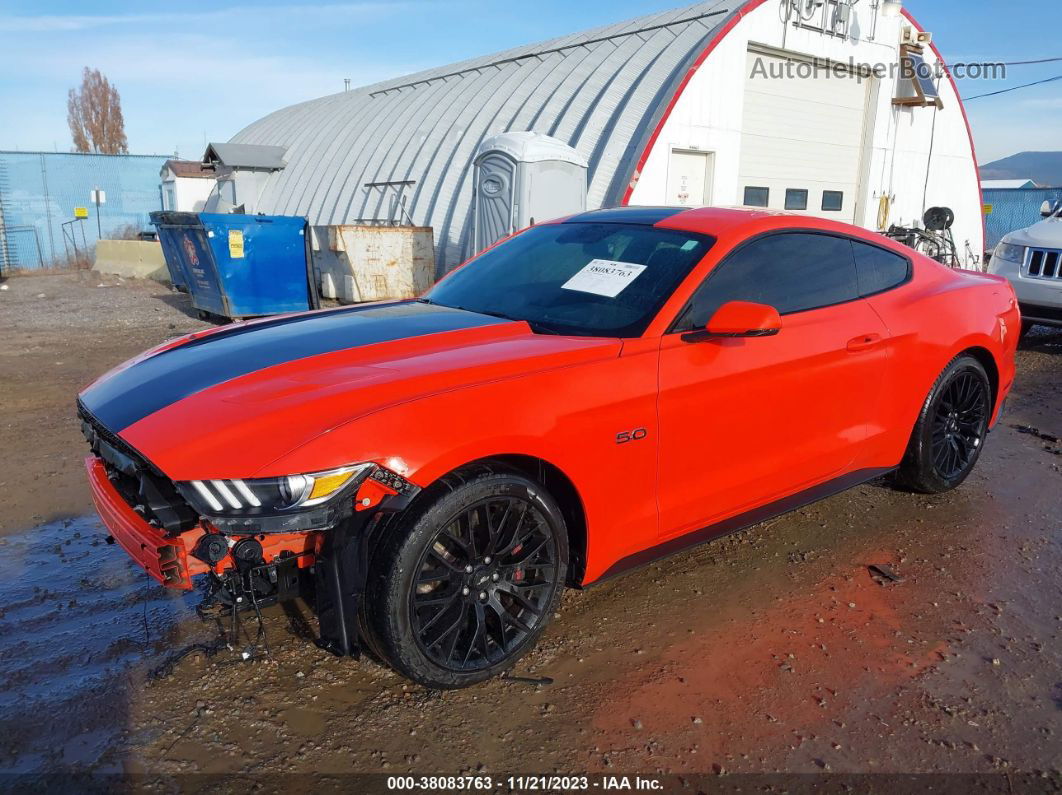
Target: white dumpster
[(360, 263)]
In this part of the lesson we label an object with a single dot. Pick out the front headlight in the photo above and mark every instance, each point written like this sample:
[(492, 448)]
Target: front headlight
[(253, 502), (1008, 252)]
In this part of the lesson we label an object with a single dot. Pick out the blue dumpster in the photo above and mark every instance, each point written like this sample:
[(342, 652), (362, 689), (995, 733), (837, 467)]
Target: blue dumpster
[(169, 241), (239, 266)]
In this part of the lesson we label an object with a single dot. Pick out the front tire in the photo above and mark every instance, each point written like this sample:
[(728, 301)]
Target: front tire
[(466, 583), (951, 429)]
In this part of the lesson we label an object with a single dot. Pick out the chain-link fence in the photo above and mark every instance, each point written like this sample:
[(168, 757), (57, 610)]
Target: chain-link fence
[(39, 192), (1015, 208)]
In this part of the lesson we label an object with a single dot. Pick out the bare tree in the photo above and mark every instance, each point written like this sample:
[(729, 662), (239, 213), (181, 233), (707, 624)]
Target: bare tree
[(94, 113)]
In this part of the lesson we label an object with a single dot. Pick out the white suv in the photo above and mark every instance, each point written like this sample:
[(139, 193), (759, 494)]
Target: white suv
[(1032, 260)]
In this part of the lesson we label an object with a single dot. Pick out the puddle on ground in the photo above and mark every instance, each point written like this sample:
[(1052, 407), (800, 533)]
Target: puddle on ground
[(80, 625)]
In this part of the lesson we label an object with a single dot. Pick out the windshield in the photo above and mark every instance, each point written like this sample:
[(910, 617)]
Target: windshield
[(580, 279)]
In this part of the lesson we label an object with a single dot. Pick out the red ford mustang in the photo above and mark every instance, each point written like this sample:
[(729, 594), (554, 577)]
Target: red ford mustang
[(582, 398)]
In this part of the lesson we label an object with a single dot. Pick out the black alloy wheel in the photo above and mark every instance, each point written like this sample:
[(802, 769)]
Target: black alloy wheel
[(484, 584), (467, 579), (960, 423), (951, 430)]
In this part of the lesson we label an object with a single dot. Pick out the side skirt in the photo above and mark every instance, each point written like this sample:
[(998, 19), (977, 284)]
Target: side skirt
[(736, 524)]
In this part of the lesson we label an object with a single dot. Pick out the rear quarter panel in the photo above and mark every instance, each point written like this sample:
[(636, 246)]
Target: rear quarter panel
[(938, 315)]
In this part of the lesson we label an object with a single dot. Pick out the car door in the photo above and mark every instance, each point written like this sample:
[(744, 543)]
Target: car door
[(745, 422)]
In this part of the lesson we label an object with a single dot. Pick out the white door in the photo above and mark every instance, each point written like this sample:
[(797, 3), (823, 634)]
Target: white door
[(802, 137), (689, 178)]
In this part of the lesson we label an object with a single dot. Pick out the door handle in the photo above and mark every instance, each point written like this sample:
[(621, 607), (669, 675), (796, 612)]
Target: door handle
[(864, 342)]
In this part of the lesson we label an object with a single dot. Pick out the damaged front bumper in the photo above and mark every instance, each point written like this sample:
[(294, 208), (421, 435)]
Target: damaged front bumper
[(164, 558), (328, 567)]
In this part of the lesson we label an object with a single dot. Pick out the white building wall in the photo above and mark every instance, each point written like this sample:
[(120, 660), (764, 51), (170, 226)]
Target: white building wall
[(192, 193), (186, 194), (708, 116)]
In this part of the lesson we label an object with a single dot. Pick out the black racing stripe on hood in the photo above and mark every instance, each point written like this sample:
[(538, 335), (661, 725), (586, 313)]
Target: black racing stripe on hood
[(163, 379)]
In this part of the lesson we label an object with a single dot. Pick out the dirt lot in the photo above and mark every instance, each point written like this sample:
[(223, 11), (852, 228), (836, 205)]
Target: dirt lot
[(775, 650), (59, 333)]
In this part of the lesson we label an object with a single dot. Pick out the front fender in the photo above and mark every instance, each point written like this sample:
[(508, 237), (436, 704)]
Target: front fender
[(570, 417)]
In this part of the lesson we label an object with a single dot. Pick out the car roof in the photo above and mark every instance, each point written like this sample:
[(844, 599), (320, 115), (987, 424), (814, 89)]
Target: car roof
[(732, 223), (710, 220), (639, 216)]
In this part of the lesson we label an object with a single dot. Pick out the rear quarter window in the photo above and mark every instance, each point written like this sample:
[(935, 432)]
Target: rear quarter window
[(878, 270)]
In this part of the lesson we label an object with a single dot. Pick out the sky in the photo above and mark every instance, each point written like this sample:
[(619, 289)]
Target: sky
[(195, 71)]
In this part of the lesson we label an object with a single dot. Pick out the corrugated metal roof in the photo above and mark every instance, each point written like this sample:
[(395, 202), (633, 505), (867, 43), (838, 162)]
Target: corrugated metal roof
[(601, 91), (243, 155)]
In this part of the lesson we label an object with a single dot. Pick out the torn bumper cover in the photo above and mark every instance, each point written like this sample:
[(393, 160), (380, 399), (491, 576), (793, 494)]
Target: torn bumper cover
[(249, 561), (164, 558), (248, 571)]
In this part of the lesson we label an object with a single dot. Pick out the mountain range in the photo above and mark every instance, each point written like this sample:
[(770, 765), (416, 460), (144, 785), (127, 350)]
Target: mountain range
[(1043, 168)]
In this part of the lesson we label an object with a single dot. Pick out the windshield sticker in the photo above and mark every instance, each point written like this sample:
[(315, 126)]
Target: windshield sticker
[(604, 277)]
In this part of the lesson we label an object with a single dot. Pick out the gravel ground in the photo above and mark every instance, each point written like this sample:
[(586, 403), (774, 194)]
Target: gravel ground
[(775, 650), (59, 332)]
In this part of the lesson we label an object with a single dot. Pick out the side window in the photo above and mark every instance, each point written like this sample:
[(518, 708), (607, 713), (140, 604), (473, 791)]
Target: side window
[(877, 269), (793, 272)]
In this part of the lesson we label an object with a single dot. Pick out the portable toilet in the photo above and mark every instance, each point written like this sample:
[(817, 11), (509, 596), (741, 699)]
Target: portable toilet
[(521, 178), (239, 266)]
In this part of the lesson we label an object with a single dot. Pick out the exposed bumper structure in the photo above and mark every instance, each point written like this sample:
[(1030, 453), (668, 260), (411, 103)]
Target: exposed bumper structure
[(169, 558), (338, 558), (165, 559)]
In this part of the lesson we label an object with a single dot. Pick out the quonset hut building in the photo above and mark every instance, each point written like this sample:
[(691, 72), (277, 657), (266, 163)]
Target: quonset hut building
[(801, 105)]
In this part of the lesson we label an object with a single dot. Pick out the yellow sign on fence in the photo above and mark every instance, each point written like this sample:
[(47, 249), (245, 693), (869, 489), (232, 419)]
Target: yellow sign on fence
[(81, 212), (236, 243), (988, 208)]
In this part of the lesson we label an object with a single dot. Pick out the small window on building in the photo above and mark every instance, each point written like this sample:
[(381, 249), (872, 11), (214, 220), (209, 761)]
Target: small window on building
[(796, 199), (832, 201), (757, 197)]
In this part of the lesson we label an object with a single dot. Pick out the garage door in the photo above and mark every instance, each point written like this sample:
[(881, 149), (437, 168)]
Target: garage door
[(802, 137)]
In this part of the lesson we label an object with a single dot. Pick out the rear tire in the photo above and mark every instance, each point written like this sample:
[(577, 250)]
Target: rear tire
[(466, 582), (951, 429)]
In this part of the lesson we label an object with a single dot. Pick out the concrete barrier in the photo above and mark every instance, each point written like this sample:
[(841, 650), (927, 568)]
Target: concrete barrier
[(131, 259)]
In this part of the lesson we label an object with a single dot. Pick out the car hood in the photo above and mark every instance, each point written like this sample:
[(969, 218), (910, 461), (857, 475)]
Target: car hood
[(228, 403), (1046, 234)]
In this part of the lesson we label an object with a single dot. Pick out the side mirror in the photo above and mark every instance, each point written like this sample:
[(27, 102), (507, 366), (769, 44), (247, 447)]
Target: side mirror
[(1046, 210), (738, 319)]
